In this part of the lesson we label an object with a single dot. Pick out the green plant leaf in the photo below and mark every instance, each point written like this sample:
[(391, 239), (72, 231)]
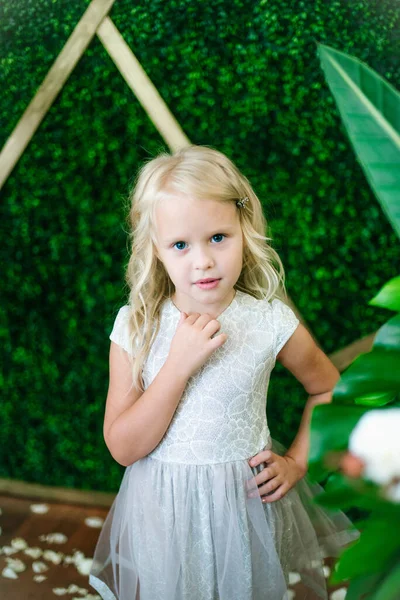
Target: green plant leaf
[(376, 399), (331, 426), (389, 295), (369, 107), (390, 587), (388, 336), (374, 372), (341, 492), (369, 555), (363, 587)]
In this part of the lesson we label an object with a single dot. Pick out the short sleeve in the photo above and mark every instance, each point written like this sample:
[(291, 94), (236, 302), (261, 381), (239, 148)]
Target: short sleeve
[(120, 330), (285, 323)]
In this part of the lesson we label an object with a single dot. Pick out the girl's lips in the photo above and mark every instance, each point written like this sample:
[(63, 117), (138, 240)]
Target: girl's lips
[(207, 280), (208, 285)]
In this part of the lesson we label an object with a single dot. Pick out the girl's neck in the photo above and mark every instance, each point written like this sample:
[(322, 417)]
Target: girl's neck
[(214, 312)]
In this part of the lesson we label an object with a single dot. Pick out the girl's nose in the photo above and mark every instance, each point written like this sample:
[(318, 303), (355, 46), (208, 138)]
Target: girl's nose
[(203, 260)]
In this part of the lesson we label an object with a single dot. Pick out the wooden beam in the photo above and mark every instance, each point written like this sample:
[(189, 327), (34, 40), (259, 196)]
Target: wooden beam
[(141, 85), (46, 493), (344, 357), (61, 69)]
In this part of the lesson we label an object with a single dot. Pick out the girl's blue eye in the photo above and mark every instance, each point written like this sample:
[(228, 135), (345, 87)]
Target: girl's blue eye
[(219, 235), (216, 235)]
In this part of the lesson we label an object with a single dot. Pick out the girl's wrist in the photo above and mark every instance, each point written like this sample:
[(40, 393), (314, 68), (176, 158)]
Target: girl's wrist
[(301, 464)]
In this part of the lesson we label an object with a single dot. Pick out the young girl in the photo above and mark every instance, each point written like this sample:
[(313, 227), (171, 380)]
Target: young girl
[(209, 508)]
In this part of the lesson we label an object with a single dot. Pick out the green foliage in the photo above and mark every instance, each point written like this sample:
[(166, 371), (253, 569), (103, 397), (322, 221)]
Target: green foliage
[(239, 75), (372, 380), (369, 107)]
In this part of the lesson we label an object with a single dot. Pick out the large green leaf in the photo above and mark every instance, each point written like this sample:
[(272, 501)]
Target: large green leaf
[(363, 586), (376, 372), (389, 295), (370, 110), (390, 588), (331, 426), (388, 335), (341, 492), (369, 555)]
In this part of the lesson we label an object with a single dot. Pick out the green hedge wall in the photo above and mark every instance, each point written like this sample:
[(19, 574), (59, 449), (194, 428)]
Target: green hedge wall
[(241, 75)]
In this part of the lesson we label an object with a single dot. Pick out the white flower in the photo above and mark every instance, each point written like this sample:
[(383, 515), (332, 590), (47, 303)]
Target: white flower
[(376, 441), (339, 594)]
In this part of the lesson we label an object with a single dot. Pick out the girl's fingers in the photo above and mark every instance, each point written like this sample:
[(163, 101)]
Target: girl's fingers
[(266, 477), (271, 486), (277, 495), (264, 456)]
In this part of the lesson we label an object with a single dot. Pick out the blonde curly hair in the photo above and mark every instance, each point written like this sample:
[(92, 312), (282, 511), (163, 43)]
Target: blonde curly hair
[(203, 173)]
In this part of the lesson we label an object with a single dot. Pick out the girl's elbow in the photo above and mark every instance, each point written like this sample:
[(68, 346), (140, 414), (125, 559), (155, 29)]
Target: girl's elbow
[(116, 451)]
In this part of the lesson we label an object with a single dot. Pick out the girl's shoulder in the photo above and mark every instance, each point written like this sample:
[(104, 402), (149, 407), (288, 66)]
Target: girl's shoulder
[(120, 330), (273, 309), (272, 315)]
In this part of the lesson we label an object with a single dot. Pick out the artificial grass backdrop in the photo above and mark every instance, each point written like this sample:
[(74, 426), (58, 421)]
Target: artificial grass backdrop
[(239, 75)]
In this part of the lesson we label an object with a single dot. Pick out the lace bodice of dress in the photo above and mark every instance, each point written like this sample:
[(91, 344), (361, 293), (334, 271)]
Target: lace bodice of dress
[(222, 413)]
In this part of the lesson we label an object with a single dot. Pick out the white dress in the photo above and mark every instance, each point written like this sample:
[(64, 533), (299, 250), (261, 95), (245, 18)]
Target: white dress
[(182, 526)]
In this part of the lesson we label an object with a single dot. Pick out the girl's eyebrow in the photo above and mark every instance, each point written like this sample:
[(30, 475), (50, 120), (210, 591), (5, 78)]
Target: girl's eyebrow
[(219, 230)]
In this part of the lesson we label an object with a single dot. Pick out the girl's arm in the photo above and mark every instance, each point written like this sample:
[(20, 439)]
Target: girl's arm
[(318, 375), (135, 421), (308, 363)]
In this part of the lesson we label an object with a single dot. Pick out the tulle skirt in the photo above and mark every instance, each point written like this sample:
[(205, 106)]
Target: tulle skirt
[(190, 532)]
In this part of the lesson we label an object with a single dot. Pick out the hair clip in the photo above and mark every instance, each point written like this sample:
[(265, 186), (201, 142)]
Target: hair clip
[(242, 202)]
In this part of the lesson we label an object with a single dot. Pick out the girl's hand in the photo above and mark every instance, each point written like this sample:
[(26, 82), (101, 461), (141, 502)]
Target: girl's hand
[(192, 343), (277, 478)]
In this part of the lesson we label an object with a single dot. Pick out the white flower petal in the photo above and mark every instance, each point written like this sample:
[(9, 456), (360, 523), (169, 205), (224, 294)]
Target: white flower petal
[(375, 440), (81, 591), (39, 566), (339, 594), (19, 544), (393, 492), (52, 556), (60, 591), (294, 578), (39, 509), (34, 552), (327, 571), (39, 578), (73, 588), (96, 522), (8, 573), (9, 550), (53, 538), (84, 565), (16, 565)]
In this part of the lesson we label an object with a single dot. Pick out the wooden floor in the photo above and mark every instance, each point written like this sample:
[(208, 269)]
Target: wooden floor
[(18, 521)]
